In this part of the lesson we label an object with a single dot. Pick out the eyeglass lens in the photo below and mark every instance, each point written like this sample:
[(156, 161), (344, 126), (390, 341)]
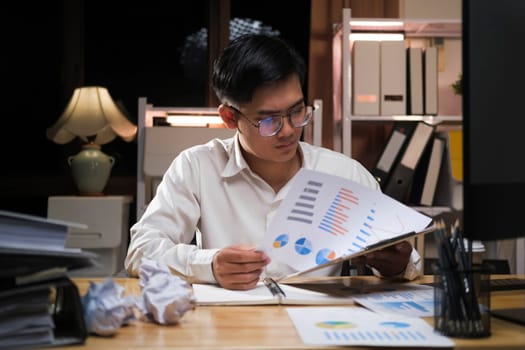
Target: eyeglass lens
[(272, 125)]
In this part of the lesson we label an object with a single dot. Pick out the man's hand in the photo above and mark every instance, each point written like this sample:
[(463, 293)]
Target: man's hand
[(239, 267), (389, 261)]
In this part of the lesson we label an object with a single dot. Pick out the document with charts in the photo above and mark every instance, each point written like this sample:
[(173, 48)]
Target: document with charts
[(353, 326), (326, 219)]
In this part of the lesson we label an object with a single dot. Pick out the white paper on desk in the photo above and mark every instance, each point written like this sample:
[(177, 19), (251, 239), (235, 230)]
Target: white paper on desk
[(359, 326), (325, 217), (418, 301), (208, 294)]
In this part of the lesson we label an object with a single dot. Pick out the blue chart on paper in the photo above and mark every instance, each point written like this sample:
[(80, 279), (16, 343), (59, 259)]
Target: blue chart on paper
[(335, 221), (324, 256), (303, 246), (281, 241), (394, 324), (399, 306), (390, 336)]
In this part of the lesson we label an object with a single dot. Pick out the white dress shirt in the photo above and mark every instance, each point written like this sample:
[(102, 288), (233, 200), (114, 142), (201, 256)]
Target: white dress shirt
[(210, 188)]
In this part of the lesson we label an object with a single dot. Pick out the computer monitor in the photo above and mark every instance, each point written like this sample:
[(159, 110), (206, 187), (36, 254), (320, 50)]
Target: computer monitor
[(494, 124), (493, 119)]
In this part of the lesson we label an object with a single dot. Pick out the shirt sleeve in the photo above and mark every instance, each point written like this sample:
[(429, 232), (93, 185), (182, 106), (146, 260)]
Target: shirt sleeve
[(167, 227)]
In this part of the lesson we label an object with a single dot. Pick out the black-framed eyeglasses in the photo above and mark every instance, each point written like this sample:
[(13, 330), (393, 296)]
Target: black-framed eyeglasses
[(298, 116)]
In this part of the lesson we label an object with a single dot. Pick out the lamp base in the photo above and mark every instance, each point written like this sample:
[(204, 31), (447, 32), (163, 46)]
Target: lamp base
[(91, 169)]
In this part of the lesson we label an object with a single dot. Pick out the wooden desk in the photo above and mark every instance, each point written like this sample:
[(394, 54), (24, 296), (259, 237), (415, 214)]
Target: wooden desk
[(265, 327)]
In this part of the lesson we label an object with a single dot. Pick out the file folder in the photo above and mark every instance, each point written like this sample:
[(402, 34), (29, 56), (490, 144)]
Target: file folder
[(393, 78), (366, 77), (427, 174), (415, 80), (431, 177), (65, 308), (399, 183), (449, 190), (15, 262), (431, 81), (391, 154)]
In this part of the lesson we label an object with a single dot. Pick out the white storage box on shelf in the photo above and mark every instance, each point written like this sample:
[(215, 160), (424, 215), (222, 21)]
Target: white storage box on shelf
[(107, 233)]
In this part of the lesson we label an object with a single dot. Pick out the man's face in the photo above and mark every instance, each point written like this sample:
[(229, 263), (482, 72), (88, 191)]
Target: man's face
[(275, 99)]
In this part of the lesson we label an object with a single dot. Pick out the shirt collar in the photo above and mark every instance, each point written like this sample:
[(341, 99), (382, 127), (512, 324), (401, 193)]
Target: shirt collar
[(236, 162)]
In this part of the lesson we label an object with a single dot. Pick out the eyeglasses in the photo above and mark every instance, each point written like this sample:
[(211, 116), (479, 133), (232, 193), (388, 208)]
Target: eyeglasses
[(271, 125)]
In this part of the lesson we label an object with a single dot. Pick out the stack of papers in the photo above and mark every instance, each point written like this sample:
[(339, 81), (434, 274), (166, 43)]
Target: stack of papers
[(25, 320), (29, 244), (28, 232), (39, 305)]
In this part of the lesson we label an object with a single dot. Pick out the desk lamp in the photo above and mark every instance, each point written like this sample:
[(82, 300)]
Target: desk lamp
[(92, 116)]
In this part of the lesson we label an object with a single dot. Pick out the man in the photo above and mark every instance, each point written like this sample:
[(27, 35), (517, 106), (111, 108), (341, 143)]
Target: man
[(229, 190)]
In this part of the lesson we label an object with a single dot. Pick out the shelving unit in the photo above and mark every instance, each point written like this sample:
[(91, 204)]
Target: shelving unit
[(159, 144), (412, 28)]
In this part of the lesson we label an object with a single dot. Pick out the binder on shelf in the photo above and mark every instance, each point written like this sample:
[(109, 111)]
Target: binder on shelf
[(449, 191), (391, 154), (398, 185), (393, 78), (431, 177), (415, 80), (427, 173), (366, 75), (455, 142), (418, 181), (431, 80)]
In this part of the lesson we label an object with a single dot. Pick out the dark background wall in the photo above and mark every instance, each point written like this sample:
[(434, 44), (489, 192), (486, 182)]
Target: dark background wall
[(49, 48)]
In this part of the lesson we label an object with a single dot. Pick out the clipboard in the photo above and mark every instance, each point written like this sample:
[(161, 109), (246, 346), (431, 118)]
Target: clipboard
[(368, 249)]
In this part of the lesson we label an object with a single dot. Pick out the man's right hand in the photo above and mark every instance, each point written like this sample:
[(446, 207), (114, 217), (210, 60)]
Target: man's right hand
[(239, 266)]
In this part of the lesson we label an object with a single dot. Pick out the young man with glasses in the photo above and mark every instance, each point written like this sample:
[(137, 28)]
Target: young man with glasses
[(229, 190)]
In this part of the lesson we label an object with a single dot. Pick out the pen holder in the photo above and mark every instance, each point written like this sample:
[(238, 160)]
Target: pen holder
[(462, 301)]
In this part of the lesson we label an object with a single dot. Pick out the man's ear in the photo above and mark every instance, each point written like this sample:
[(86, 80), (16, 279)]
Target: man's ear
[(228, 116)]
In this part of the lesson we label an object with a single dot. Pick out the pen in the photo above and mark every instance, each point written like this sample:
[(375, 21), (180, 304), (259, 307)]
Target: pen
[(274, 287)]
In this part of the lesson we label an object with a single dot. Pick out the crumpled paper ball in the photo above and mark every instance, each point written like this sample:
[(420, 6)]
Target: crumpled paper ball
[(165, 297), (106, 309)]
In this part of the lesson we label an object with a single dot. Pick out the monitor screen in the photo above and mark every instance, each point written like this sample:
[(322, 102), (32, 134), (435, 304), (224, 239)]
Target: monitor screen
[(493, 119)]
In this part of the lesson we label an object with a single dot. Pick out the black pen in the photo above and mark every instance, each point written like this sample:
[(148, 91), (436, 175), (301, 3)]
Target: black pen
[(274, 287)]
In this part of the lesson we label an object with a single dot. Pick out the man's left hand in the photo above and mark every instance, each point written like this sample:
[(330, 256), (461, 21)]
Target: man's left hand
[(389, 261)]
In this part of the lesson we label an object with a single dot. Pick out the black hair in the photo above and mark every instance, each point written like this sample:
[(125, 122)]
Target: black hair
[(251, 61)]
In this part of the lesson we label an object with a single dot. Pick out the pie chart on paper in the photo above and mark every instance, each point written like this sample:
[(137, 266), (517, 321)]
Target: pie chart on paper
[(303, 246), (324, 255), (393, 324), (281, 241), (335, 324)]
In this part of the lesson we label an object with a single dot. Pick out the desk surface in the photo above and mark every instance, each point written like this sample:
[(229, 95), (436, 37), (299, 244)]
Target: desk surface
[(265, 327)]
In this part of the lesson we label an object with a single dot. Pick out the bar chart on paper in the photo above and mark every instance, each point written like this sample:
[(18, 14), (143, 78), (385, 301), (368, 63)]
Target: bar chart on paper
[(324, 217), (355, 326)]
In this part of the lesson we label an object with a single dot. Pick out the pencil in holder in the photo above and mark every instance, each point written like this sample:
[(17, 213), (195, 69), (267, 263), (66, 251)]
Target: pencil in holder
[(462, 301)]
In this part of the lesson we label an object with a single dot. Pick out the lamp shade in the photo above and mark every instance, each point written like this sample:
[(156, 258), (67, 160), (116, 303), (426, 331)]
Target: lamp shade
[(91, 113), (92, 116)]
